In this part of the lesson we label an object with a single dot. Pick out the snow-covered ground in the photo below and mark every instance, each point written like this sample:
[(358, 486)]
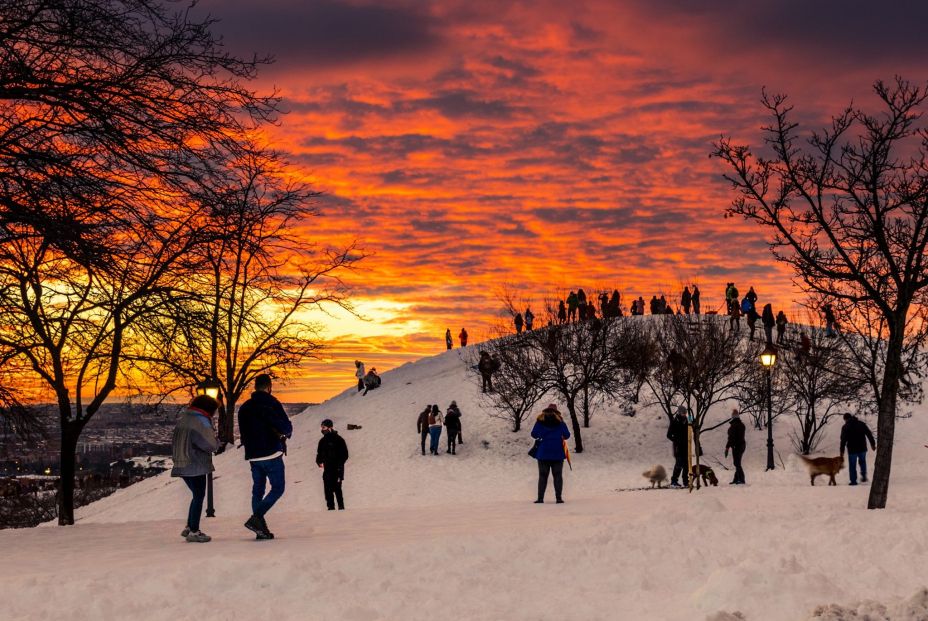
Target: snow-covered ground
[(458, 536)]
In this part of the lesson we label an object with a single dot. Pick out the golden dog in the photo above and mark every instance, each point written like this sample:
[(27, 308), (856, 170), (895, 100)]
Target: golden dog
[(824, 465), (656, 474), (704, 471)]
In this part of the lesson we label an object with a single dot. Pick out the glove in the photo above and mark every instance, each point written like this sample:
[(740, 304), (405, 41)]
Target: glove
[(726, 452)]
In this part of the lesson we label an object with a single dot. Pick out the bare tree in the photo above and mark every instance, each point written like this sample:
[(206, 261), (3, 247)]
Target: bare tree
[(848, 212), (518, 384), (246, 312), (112, 115), (818, 386)]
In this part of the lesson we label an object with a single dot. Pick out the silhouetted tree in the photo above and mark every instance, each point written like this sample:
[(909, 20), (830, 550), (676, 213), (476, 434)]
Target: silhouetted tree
[(848, 212)]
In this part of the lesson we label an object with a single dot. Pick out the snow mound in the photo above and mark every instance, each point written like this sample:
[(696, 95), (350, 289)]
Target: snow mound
[(913, 609)]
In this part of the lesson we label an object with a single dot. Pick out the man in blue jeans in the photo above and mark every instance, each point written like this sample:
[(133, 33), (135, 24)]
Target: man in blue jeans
[(854, 436), (264, 428)]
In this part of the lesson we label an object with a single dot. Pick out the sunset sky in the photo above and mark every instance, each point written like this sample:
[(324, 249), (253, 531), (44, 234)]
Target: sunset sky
[(547, 145)]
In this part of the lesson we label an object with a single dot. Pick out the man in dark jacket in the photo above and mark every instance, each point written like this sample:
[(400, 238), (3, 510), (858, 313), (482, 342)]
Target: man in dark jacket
[(264, 428), (486, 367), (736, 444), (331, 455), (453, 426), (854, 436), (678, 436), (422, 425)]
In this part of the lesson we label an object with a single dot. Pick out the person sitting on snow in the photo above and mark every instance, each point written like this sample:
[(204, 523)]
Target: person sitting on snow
[(371, 381)]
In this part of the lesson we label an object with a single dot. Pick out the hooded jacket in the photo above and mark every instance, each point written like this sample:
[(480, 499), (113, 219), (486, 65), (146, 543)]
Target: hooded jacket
[(193, 444), (551, 430)]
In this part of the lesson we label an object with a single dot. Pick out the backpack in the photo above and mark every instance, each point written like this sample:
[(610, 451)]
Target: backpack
[(745, 305)]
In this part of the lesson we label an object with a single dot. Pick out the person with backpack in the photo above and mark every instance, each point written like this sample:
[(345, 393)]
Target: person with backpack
[(264, 427), (751, 297), (781, 326), (737, 445), (695, 299), (769, 321), (518, 321), (452, 426), (685, 300), (422, 425), (550, 431), (436, 420), (854, 437), (678, 435), (193, 444), (463, 337), (359, 373), (331, 455), (529, 319)]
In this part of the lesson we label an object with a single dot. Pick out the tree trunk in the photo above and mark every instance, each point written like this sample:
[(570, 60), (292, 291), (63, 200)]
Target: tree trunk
[(70, 432), (575, 423), (886, 421), (226, 424), (586, 407)]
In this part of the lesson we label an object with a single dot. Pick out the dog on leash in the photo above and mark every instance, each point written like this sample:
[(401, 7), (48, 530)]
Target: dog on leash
[(823, 465), (657, 475), (704, 471)]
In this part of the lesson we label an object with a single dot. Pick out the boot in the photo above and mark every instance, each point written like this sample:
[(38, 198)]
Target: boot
[(198, 537)]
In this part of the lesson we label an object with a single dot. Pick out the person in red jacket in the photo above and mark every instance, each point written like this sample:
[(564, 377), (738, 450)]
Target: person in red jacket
[(463, 337)]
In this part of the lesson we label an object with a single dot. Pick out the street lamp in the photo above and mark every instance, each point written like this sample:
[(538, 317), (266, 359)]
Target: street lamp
[(768, 358), (209, 387)]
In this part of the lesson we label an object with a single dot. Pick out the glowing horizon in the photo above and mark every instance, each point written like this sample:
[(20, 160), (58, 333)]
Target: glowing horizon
[(470, 144)]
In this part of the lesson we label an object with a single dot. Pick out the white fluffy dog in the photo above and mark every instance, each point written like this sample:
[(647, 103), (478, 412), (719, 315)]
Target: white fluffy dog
[(656, 475)]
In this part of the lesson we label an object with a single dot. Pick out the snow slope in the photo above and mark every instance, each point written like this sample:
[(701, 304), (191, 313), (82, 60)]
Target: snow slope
[(458, 535)]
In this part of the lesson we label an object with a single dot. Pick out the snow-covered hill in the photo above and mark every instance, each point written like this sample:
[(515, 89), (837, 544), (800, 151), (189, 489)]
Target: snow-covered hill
[(457, 536)]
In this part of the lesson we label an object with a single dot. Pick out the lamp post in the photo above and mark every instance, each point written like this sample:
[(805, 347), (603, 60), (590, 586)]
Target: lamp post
[(768, 358), (210, 388)]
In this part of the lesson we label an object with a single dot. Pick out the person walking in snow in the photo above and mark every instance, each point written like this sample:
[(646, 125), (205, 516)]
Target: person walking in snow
[(529, 319), (781, 326), (463, 337), (436, 420), (422, 425), (452, 426), (854, 437), (550, 432), (518, 321), (359, 373), (769, 322), (193, 445), (678, 435), (737, 445), (695, 299), (448, 340), (685, 300), (264, 428), (331, 455)]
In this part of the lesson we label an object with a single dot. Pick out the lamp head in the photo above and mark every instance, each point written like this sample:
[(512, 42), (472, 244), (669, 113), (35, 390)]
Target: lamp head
[(768, 357)]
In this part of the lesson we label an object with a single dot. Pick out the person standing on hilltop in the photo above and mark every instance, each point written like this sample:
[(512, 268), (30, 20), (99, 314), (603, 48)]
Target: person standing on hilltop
[(561, 312), (529, 319), (331, 455), (486, 368), (781, 326), (685, 300), (463, 337), (264, 428), (769, 322), (448, 340), (193, 445), (695, 299), (751, 297), (571, 306), (359, 373), (517, 320)]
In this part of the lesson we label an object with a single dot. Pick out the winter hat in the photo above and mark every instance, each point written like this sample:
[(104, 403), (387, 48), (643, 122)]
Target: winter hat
[(681, 411), (551, 408), (327, 423)]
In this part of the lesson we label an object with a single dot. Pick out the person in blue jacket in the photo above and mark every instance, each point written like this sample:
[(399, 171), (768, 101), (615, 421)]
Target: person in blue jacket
[(264, 427), (550, 431)]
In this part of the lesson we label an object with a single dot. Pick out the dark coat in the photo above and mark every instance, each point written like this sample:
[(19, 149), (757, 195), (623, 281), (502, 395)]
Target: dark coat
[(677, 434), (263, 425), (854, 436), (453, 420), (736, 441), (551, 430), (332, 453), (422, 423)]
